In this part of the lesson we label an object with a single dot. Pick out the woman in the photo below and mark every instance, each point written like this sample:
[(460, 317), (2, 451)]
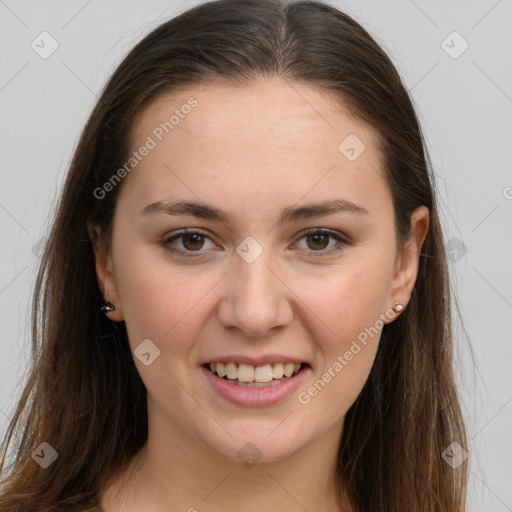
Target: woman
[(244, 299)]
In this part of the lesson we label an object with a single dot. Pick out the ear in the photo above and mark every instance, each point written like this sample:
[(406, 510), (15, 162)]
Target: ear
[(105, 273), (408, 260)]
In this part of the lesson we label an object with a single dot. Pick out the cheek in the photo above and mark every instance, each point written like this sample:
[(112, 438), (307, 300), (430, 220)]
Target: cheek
[(161, 301), (346, 318), (346, 301)]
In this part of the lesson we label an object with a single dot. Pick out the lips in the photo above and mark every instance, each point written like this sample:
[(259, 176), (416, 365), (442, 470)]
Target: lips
[(255, 394), (256, 361)]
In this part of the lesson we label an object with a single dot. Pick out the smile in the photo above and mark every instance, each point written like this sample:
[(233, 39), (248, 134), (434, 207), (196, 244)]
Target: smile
[(255, 376), (255, 386)]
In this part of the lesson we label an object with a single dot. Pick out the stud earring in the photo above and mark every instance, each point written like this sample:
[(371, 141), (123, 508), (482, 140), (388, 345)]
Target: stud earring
[(397, 308), (107, 307)]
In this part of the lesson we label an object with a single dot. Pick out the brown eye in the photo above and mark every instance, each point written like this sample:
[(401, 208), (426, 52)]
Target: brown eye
[(319, 241), (193, 242), (187, 243)]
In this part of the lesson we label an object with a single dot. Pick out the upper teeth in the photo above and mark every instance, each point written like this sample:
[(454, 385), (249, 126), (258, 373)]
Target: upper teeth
[(249, 373)]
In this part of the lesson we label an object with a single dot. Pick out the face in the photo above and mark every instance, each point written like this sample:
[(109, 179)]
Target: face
[(290, 256)]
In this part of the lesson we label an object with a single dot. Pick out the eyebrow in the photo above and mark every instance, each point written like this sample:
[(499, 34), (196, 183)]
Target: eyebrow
[(289, 214)]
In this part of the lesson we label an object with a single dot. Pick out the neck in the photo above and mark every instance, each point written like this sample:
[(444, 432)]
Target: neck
[(191, 476)]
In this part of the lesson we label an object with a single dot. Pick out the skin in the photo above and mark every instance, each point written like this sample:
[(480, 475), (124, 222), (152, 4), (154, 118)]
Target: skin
[(251, 152)]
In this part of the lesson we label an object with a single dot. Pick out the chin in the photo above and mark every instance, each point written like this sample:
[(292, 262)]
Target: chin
[(261, 441)]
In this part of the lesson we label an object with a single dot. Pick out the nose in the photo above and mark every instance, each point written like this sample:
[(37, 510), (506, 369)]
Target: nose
[(255, 297)]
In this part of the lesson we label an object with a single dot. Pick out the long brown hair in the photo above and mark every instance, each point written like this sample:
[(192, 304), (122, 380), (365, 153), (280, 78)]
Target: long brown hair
[(84, 396)]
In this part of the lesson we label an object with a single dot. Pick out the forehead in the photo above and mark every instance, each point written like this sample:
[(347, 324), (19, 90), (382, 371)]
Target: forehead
[(297, 114), (268, 136)]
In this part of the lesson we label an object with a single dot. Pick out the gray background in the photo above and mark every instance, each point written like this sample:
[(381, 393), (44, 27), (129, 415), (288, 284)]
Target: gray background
[(465, 105)]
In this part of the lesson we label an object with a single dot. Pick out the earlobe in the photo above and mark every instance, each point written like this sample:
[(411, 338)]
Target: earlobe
[(105, 276), (407, 268)]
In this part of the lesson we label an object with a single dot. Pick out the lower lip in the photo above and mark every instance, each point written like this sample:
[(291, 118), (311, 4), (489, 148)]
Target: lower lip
[(255, 397)]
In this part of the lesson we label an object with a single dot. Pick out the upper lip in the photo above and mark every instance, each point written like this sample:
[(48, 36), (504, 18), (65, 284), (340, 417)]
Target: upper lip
[(256, 361)]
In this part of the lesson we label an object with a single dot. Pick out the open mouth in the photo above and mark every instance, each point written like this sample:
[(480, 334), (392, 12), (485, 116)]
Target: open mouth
[(256, 377)]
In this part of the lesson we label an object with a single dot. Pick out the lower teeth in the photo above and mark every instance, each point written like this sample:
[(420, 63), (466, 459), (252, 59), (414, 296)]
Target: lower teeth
[(256, 384)]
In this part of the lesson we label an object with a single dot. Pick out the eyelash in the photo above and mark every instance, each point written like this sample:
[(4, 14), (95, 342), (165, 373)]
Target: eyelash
[(315, 254)]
